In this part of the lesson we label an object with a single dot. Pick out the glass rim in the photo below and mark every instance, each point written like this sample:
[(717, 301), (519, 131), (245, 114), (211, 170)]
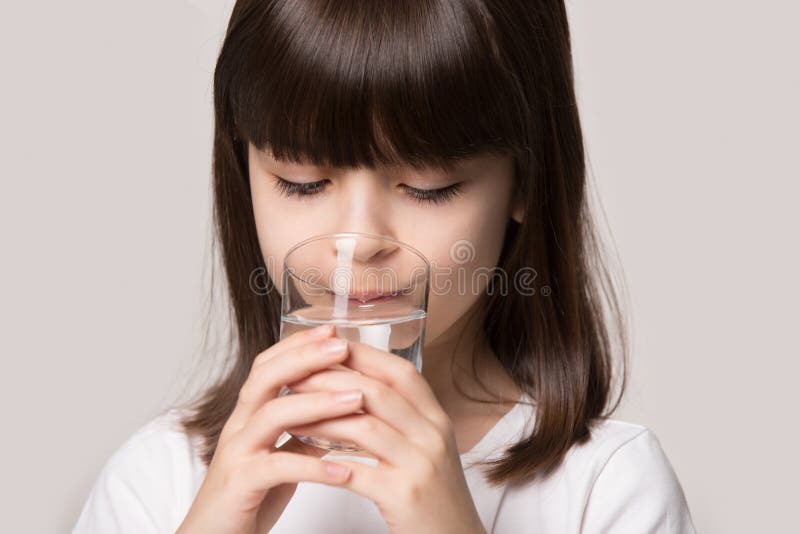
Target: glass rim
[(319, 237), (410, 290)]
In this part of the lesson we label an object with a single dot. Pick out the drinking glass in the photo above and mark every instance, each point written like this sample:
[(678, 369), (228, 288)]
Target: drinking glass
[(373, 289)]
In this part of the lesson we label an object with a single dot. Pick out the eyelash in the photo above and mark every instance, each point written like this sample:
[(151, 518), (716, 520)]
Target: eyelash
[(423, 196)]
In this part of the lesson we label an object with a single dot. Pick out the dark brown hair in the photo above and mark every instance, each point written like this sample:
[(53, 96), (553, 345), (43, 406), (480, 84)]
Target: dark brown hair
[(425, 82)]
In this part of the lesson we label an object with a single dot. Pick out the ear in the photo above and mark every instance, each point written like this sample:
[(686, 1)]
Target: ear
[(518, 209)]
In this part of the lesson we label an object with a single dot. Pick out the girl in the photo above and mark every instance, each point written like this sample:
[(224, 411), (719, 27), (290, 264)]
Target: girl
[(451, 125)]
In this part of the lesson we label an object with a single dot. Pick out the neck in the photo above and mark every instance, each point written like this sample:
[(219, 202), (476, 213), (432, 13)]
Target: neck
[(448, 360)]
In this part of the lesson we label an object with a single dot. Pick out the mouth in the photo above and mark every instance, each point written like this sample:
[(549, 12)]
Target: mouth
[(372, 297)]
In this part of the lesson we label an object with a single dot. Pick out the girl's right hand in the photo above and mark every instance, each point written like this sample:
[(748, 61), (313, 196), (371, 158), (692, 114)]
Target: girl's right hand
[(249, 482)]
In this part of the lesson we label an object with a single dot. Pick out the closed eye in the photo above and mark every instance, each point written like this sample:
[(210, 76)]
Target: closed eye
[(423, 196), (435, 196), (305, 189)]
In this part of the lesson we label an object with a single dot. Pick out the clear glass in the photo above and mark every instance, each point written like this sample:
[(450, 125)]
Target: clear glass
[(372, 288)]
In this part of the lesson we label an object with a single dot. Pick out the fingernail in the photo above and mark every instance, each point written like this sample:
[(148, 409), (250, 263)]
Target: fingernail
[(348, 397), (335, 469), (320, 331), (333, 346)]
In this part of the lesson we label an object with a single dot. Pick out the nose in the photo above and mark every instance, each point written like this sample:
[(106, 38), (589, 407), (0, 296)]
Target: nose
[(372, 251), (365, 208), (355, 256)]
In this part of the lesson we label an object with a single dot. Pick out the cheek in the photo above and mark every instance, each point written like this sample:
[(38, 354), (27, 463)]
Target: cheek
[(277, 230), (463, 252)]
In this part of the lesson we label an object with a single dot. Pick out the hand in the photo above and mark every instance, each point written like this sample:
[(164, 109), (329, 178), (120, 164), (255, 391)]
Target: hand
[(419, 481), (248, 484)]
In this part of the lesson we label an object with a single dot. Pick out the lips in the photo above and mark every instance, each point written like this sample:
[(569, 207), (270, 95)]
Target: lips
[(372, 297)]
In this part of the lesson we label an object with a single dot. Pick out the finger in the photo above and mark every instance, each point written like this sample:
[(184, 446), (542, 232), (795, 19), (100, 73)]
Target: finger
[(291, 365), (288, 411), (381, 401), (268, 470), (371, 434), (294, 340), (377, 484), (402, 376)]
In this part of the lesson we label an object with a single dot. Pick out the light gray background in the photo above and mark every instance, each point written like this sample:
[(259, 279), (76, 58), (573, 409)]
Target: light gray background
[(690, 113)]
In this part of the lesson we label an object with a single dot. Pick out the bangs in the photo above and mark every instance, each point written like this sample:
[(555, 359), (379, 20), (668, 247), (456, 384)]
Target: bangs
[(352, 83)]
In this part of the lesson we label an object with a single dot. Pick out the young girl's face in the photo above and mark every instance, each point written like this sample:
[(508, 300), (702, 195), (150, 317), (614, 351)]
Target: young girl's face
[(461, 231)]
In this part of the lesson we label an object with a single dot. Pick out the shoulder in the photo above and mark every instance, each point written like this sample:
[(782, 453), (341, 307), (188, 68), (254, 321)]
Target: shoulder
[(159, 444), (632, 485), (148, 482)]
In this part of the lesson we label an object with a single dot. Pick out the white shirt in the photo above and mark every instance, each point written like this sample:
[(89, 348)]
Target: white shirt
[(619, 482)]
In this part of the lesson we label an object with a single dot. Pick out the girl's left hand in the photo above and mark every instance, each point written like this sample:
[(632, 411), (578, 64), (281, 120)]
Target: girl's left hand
[(419, 481)]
